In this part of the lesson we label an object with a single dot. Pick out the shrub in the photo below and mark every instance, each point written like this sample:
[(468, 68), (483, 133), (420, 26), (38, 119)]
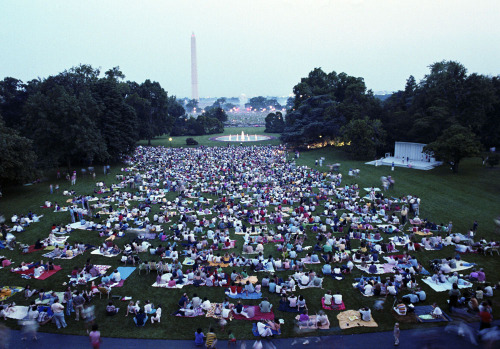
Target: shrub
[(191, 141)]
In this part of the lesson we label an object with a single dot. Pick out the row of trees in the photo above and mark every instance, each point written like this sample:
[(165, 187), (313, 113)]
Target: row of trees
[(78, 117), (446, 106), (210, 121)]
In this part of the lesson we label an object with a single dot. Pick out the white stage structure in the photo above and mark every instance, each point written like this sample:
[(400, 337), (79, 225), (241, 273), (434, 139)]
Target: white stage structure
[(410, 155), (409, 151)]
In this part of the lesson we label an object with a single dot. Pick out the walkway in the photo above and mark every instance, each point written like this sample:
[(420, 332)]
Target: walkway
[(435, 337)]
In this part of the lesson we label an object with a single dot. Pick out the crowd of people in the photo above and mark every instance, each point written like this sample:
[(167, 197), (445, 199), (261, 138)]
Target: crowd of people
[(188, 206)]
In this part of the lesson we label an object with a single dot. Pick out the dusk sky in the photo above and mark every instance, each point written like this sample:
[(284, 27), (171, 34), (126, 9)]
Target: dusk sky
[(254, 47)]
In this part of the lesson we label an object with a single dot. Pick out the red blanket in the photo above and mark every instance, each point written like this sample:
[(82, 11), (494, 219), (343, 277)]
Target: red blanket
[(340, 306), (44, 275), (258, 314), (32, 249)]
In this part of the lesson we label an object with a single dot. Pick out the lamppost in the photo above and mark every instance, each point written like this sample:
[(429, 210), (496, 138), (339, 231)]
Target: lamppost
[(170, 141)]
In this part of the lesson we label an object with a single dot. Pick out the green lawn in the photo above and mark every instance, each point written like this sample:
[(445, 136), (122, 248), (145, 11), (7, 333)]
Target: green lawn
[(205, 140), (462, 198)]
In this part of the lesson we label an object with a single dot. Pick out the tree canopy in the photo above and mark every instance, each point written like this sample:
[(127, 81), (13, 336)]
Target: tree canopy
[(328, 106), (81, 116), (456, 142)]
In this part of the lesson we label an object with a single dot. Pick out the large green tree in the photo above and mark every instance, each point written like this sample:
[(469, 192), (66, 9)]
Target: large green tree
[(363, 137), (275, 122), (17, 158), (456, 142)]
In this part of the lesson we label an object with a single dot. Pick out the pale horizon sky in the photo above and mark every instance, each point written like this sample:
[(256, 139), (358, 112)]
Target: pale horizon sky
[(254, 47)]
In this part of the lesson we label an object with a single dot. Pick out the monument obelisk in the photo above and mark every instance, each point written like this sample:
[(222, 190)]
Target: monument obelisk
[(194, 69)]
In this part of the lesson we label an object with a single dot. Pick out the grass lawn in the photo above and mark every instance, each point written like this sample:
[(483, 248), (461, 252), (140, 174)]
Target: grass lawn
[(462, 198), (205, 140)]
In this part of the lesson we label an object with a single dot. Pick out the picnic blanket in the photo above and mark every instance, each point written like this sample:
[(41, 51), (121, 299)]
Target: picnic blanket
[(423, 233), (223, 265), (462, 265), (312, 324), (255, 331), (17, 312), (340, 306), (441, 287), (165, 285), (32, 249), (309, 262), (49, 273), (8, 291), (98, 252), (54, 256), (258, 315), (60, 295), (188, 261), (252, 279), (197, 312), (381, 268), (352, 318), (243, 295), (125, 272), (211, 312), (422, 312)]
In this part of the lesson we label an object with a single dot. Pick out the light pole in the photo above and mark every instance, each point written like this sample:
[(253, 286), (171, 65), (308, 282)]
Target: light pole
[(170, 141)]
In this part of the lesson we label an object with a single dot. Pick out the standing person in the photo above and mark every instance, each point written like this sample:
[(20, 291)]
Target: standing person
[(95, 337), (58, 310), (68, 299), (211, 341), (396, 333), (454, 294), (486, 319), (474, 226), (78, 303), (88, 315), (404, 214)]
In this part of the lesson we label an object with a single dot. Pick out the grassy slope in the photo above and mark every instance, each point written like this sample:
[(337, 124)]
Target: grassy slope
[(473, 194)]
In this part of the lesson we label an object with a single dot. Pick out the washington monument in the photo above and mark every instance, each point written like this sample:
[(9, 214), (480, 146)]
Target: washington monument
[(194, 70)]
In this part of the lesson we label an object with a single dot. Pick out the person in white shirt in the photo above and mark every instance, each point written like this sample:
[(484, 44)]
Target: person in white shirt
[(368, 290), (157, 315), (328, 298), (436, 312), (337, 298)]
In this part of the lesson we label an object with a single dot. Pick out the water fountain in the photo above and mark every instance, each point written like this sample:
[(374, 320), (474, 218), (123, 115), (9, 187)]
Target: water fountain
[(242, 138)]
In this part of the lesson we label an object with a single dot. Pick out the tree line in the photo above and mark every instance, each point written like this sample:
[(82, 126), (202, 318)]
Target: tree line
[(80, 117), (455, 113)]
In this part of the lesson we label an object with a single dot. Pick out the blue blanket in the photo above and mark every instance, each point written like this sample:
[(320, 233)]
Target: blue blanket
[(243, 295), (427, 309), (125, 272)]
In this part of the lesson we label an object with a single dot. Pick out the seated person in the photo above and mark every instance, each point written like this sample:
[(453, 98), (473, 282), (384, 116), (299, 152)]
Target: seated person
[(265, 306), (249, 288), (111, 309), (327, 298), (373, 268), (366, 314), (322, 319), (400, 308), (326, 269), (140, 319), (240, 310), (337, 298), (436, 311)]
